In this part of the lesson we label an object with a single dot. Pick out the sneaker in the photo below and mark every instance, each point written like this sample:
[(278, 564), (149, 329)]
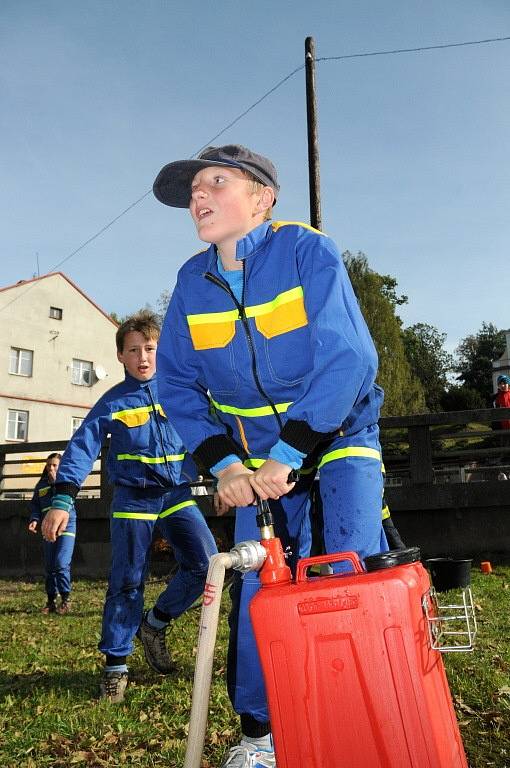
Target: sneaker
[(49, 608), (154, 646), (243, 756), (112, 686), (64, 608)]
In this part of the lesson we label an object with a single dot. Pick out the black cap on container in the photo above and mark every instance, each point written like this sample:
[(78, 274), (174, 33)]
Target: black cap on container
[(392, 558)]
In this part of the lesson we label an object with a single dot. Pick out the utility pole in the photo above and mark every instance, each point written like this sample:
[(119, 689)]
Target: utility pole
[(314, 180)]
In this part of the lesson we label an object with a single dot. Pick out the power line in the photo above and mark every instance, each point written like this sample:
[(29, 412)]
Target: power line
[(80, 247), (412, 50), (274, 88), (255, 103), (106, 226)]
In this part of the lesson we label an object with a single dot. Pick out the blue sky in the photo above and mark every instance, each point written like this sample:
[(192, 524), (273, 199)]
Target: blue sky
[(96, 96)]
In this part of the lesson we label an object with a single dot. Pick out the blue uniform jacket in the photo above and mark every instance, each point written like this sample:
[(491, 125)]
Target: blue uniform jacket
[(41, 500), (294, 360), (145, 450)]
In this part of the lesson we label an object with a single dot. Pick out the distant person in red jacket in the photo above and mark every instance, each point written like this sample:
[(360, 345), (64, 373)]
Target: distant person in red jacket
[(502, 398)]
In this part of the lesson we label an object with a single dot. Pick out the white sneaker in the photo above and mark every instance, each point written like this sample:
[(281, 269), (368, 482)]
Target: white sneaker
[(247, 756)]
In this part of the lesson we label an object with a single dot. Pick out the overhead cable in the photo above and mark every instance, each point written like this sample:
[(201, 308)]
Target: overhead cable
[(274, 88)]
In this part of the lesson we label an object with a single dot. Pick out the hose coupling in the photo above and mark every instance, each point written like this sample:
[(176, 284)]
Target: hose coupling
[(248, 556)]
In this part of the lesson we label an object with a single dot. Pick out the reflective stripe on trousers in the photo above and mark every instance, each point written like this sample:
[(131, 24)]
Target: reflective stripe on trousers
[(181, 524)]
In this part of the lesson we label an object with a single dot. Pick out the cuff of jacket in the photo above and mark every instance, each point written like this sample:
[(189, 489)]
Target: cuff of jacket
[(70, 489), (216, 448), (301, 436)]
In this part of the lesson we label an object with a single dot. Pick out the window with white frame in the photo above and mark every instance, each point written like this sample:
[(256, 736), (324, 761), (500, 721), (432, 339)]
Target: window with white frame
[(82, 372), (77, 421), (20, 361), (17, 425), (56, 313)]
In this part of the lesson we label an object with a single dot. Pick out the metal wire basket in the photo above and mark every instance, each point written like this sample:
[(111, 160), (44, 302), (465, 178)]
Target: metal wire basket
[(451, 620)]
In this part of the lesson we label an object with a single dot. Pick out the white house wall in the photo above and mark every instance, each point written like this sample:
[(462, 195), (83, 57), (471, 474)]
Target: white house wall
[(84, 332)]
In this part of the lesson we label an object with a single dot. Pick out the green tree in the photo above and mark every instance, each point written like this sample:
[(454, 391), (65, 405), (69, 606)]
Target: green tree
[(162, 303), (429, 361), (458, 398), (378, 301), (475, 354)]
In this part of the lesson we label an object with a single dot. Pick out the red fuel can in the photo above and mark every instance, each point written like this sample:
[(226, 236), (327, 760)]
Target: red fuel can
[(350, 676)]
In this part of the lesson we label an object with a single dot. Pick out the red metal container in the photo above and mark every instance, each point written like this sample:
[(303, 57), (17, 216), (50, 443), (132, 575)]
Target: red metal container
[(350, 677)]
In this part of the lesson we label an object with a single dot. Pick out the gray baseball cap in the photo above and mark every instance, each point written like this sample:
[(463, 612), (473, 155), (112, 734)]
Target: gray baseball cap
[(173, 182)]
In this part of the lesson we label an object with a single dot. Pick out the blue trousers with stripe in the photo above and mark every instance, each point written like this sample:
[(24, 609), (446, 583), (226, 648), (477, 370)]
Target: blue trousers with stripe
[(351, 491), (57, 560), (135, 513)]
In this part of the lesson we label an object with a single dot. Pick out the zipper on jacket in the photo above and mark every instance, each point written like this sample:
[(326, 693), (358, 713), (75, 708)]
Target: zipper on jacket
[(160, 431), (242, 313)]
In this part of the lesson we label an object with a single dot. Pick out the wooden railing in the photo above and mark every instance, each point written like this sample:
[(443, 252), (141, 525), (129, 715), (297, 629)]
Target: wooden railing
[(17, 459), (416, 450), (459, 517), (419, 447)]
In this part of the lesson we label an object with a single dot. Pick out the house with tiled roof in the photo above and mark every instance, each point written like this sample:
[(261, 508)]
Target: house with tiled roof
[(57, 357)]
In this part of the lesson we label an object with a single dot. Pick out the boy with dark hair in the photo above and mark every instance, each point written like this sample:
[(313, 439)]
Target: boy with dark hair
[(264, 327), (151, 472)]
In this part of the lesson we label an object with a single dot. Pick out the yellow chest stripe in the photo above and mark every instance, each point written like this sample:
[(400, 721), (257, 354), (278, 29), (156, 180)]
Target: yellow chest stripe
[(269, 306), (140, 409), (137, 417), (254, 311), (213, 317)]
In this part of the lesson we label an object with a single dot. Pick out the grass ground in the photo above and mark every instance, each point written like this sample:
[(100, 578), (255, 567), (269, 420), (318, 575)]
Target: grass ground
[(49, 669)]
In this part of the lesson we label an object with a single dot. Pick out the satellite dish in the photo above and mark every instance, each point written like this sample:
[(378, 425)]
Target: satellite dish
[(100, 372)]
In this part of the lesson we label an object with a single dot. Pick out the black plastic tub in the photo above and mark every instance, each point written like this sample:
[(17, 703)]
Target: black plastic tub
[(447, 573)]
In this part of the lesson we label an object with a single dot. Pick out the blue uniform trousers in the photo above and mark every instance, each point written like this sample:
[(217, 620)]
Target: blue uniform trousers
[(350, 481), (57, 560), (135, 513)]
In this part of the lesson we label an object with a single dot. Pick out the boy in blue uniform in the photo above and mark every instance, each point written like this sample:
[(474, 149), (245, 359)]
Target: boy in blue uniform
[(58, 554), (151, 473), (264, 329)]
